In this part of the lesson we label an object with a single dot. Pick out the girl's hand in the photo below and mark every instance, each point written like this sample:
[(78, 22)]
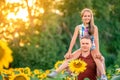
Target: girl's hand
[(68, 55)]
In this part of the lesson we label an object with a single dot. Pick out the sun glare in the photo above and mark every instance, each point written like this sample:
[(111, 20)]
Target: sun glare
[(31, 2), (21, 14), (41, 10), (13, 1), (11, 15), (56, 11), (57, 0)]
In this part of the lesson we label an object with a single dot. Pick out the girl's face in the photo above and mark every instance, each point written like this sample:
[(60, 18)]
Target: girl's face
[(86, 17)]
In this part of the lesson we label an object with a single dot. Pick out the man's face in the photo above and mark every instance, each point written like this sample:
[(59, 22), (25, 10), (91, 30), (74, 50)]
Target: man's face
[(85, 44)]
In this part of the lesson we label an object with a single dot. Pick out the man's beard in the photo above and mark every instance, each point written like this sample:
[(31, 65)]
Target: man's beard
[(85, 50)]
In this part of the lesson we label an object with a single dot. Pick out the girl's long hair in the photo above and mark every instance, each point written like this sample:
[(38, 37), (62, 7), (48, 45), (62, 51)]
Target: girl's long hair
[(91, 23)]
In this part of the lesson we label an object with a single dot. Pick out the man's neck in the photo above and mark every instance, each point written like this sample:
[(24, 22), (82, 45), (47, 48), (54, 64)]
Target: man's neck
[(85, 53)]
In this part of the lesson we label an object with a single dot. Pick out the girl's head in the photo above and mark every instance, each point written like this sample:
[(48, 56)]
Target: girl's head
[(87, 18)]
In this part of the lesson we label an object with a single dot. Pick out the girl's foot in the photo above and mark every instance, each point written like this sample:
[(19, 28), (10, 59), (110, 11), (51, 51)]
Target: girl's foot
[(52, 74)]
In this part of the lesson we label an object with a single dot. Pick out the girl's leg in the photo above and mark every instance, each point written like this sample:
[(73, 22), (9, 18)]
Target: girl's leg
[(75, 55), (65, 64), (100, 63)]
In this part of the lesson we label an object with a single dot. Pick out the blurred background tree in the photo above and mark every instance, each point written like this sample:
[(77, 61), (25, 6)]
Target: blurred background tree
[(39, 31)]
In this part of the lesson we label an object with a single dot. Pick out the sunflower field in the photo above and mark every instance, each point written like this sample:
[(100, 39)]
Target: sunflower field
[(38, 74)]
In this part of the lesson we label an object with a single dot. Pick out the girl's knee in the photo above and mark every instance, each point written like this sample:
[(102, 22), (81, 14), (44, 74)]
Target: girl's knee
[(103, 58)]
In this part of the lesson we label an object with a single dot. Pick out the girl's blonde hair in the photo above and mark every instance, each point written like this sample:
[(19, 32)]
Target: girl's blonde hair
[(91, 24)]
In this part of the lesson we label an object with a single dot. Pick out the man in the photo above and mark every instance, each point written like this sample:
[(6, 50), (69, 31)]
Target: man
[(87, 56)]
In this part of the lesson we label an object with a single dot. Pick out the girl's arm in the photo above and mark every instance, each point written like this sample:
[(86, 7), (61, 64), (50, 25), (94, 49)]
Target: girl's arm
[(96, 38), (72, 41)]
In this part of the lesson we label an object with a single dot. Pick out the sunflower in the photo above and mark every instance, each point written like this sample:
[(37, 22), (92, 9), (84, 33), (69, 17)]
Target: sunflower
[(77, 66), (27, 71), (68, 78), (21, 76), (47, 71), (57, 64), (36, 72), (42, 76), (5, 55)]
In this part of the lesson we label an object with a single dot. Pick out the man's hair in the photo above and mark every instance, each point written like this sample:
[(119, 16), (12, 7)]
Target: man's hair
[(86, 37)]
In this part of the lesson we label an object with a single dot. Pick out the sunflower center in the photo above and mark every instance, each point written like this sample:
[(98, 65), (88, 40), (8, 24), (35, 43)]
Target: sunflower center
[(20, 78), (1, 53), (77, 65)]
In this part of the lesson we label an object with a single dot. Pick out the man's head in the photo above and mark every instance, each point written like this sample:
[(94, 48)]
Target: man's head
[(85, 43)]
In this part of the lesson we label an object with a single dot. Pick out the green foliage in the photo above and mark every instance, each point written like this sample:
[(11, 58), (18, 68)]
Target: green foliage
[(112, 71), (118, 58), (86, 79), (40, 50), (116, 78), (1, 77), (101, 9)]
